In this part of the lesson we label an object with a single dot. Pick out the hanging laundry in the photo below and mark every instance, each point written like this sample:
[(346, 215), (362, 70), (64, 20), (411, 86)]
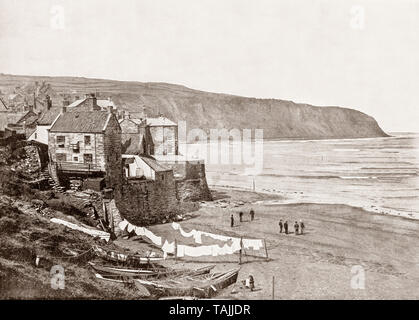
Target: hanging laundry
[(139, 231), (155, 239), (130, 227), (187, 234), (123, 224), (197, 237), (180, 251), (168, 248), (84, 229), (255, 244)]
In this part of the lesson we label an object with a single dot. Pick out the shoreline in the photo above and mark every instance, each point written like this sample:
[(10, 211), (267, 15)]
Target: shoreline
[(289, 200), (316, 265)]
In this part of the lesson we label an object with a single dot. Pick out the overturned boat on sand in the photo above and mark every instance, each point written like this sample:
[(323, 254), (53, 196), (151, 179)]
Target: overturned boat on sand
[(113, 272), (125, 258), (204, 286)]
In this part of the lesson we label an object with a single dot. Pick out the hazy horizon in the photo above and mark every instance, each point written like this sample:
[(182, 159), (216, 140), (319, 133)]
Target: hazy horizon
[(355, 54)]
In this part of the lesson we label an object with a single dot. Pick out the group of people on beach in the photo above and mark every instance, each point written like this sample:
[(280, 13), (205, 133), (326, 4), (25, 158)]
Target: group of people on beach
[(251, 213), (298, 227)]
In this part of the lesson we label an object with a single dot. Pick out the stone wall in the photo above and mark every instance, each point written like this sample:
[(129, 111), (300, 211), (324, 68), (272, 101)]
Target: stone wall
[(145, 202), (191, 181), (193, 187)]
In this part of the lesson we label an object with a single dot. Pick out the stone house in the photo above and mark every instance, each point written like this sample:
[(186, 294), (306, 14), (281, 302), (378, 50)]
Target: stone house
[(51, 114), (165, 136), (136, 136), (86, 143), (149, 136)]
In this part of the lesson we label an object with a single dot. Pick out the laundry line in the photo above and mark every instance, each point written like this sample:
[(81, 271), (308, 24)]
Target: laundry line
[(84, 229), (140, 231), (254, 244)]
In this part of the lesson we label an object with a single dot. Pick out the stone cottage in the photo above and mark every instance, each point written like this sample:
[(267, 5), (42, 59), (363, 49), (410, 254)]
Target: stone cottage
[(86, 143), (151, 136)]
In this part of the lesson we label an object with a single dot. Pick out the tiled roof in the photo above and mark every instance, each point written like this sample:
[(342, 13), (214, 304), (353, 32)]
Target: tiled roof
[(87, 121), (49, 116), (153, 164), (76, 103), (105, 103), (160, 121), (100, 102), (10, 117)]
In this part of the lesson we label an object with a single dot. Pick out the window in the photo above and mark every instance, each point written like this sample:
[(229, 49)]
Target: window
[(76, 159), (75, 147), (87, 140), (88, 158), (61, 157), (60, 141)]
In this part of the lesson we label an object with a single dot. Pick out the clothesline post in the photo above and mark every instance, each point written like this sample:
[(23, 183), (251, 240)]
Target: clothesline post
[(273, 287), (241, 249), (175, 249), (266, 249)]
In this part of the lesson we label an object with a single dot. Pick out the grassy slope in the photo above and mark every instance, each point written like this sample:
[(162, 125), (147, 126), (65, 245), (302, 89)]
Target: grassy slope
[(278, 118)]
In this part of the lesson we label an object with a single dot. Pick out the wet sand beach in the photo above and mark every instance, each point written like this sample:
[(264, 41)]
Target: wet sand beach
[(338, 241)]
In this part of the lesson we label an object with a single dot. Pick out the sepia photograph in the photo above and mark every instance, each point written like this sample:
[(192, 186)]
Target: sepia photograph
[(226, 150)]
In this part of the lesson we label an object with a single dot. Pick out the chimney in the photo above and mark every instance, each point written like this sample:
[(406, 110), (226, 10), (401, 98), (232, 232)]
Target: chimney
[(66, 103), (64, 109), (127, 115), (34, 101), (30, 108), (92, 102), (48, 102), (77, 97), (110, 109), (143, 114)]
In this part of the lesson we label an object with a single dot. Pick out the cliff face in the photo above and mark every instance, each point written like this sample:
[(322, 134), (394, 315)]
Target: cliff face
[(278, 118)]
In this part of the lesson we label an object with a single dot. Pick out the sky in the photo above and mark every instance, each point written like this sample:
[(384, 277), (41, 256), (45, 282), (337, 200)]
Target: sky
[(359, 54)]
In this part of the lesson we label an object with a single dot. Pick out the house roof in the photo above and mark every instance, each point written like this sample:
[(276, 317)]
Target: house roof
[(76, 103), (10, 117), (100, 102), (160, 121), (153, 164), (49, 116), (83, 121)]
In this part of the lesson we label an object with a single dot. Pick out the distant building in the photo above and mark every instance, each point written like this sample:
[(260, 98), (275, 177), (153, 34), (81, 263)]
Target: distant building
[(136, 136), (165, 135), (44, 123), (149, 136), (86, 142)]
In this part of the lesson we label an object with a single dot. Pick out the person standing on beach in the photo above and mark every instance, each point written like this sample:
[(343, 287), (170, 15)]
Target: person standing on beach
[(241, 216), (232, 221), (296, 227), (252, 214), (286, 227), (302, 226), (280, 225)]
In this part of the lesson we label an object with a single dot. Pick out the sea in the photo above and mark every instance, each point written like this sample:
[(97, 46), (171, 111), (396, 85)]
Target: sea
[(380, 175)]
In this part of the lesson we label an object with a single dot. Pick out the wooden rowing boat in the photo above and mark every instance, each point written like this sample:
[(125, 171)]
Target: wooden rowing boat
[(121, 257), (204, 286), (152, 272)]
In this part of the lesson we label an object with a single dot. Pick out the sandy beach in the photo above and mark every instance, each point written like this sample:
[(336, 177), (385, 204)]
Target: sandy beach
[(316, 265)]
